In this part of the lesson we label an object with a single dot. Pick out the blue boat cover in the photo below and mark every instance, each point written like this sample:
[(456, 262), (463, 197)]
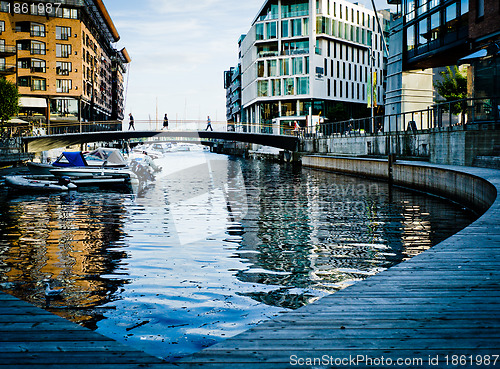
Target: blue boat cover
[(71, 159)]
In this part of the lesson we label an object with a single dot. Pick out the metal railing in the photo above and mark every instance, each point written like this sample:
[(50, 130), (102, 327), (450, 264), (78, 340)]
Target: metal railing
[(460, 114)]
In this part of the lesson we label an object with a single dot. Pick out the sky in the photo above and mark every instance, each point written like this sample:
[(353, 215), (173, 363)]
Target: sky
[(179, 51)]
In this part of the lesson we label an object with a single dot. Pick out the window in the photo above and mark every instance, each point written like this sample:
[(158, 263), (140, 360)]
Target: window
[(24, 81), (285, 28), (263, 88), (480, 8), (289, 86), (63, 33), (272, 68), (296, 27), (37, 48), (297, 66), (271, 30), (63, 68), (260, 69), (302, 86), (63, 51), (285, 67), (276, 87), (423, 32), (259, 31), (464, 6), (451, 12), (37, 30), (63, 85), (24, 63), (38, 84), (410, 37), (37, 66), (435, 22), (2, 26)]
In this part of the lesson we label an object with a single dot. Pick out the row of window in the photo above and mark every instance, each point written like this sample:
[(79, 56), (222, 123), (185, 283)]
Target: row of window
[(437, 24), (289, 28), (283, 87), (39, 48), (40, 66), (293, 9), (347, 14), (40, 84), (347, 71), (332, 27), (38, 30), (283, 67), (348, 90)]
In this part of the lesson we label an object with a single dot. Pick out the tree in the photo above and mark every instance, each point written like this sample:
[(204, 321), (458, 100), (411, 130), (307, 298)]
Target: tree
[(9, 100), (453, 87)]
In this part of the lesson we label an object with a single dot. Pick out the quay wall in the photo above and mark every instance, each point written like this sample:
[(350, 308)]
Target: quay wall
[(464, 188), (448, 146)]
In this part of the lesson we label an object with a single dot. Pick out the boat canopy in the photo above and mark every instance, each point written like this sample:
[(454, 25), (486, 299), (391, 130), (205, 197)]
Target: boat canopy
[(110, 156), (70, 159)]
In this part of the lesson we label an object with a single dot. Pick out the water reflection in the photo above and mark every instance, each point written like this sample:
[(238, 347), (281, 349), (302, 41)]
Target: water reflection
[(216, 246), (67, 238)]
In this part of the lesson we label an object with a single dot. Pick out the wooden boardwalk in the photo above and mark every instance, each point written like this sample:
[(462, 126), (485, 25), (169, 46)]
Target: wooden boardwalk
[(32, 338), (418, 314)]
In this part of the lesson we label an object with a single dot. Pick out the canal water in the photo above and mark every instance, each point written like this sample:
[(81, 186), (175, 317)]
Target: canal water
[(216, 246)]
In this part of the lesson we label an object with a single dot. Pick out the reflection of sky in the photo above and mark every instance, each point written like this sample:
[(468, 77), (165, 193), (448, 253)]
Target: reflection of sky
[(216, 246)]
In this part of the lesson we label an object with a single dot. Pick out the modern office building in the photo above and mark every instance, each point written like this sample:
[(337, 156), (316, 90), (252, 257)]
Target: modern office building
[(436, 33), (232, 84), (303, 59), (62, 58)]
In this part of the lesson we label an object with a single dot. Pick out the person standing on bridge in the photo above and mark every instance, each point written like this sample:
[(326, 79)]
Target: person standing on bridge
[(131, 124), (209, 124), (165, 122)]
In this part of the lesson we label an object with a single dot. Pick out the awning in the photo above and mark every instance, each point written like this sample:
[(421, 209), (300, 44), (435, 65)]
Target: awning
[(33, 102), (476, 55)]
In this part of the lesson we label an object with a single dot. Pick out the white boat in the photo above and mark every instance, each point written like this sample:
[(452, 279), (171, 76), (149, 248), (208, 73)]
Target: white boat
[(39, 183), (102, 157)]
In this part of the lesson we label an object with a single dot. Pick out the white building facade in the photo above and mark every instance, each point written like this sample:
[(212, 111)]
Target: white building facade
[(304, 59)]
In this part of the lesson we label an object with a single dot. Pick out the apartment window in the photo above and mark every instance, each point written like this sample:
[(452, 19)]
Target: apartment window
[(276, 87), (263, 88), (480, 8), (24, 63), (24, 81), (37, 30), (306, 65), (422, 31), (2, 27), (303, 86), (272, 68), (285, 67), (328, 87), (334, 87), (63, 85), (37, 48), (296, 27), (341, 88), (63, 51), (285, 28), (331, 68), (38, 84), (63, 68), (66, 13), (260, 69), (289, 86), (259, 31), (37, 66), (464, 6), (410, 37), (271, 30), (297, 65), (63, 33)]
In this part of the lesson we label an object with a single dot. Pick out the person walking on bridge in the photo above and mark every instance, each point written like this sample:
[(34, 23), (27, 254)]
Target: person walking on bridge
[(165, 122), (209, 124), (131, 124)]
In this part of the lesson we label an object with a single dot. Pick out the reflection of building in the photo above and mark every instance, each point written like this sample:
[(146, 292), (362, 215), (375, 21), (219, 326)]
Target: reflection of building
[(303, 58), (62, 59), (70, 243)]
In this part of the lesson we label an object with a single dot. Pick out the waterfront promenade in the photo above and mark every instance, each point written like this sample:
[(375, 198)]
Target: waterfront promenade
[(420, 313)]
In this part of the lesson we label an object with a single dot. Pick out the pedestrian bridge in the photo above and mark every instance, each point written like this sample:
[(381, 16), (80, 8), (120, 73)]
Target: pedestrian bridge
[(43, 143)]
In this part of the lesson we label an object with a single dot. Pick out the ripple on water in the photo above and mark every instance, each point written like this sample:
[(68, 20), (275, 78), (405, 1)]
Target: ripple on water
[(216, 246)]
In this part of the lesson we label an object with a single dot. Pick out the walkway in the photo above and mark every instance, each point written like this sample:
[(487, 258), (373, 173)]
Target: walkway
[(442, 303), (32, 338)]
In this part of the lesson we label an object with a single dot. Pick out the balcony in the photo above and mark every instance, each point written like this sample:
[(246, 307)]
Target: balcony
[(6, 69), (7, 50)]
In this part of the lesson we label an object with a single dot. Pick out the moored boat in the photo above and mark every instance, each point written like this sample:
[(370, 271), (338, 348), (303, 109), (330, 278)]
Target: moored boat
[(39, 183)]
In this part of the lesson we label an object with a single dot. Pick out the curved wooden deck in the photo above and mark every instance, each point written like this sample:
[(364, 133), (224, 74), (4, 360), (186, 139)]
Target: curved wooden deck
[(440, 309)]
